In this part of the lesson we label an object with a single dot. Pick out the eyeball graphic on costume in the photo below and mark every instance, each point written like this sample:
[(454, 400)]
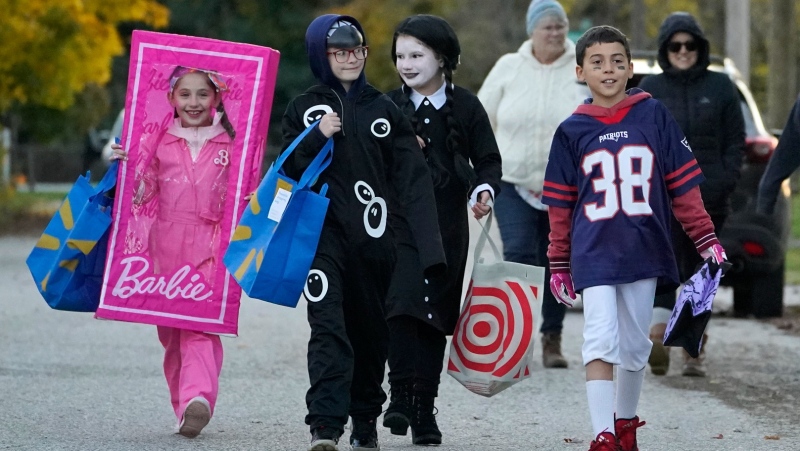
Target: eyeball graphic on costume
[(375, 213), (380, 128), (316, 286), (364, 192), (315, 113), (223, 159)]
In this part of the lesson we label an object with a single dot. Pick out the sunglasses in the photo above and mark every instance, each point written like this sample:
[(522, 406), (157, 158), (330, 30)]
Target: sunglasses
[(675, 47)]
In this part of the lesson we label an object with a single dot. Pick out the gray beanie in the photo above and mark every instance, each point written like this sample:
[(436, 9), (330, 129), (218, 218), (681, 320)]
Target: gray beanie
[(539, 9)]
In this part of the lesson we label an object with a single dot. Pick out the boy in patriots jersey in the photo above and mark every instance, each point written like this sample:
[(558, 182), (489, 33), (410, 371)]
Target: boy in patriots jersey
[(618, 168)]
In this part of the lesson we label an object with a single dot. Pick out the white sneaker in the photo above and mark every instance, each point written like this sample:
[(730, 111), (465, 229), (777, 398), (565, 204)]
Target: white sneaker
[(195, 417)]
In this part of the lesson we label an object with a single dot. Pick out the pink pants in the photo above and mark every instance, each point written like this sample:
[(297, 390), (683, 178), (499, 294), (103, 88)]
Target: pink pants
[(192, 363)]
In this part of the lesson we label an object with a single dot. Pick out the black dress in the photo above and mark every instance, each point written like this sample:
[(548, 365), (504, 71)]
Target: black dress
[(437, 302)]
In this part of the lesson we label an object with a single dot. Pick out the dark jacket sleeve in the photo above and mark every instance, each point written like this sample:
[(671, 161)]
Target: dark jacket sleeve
[(733, 136), (307, 149), (483, 152), (414, 190), (650, 84), (783, 162), (707, 107)]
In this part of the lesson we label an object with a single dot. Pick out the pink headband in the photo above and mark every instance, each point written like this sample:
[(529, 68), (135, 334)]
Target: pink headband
[(180, 71)]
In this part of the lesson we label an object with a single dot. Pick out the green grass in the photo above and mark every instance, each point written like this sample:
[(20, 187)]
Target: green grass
[(793, 254), (36, 198), (26, 212), (793, 266)]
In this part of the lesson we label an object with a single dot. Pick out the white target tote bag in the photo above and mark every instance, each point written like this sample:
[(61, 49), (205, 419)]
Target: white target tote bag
[(492, 346)]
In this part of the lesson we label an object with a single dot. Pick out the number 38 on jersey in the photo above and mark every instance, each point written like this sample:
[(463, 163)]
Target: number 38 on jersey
[(622, 181)]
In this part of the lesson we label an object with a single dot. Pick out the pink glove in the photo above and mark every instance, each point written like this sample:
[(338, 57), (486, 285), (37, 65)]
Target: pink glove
[(716, 253), (562, 288)]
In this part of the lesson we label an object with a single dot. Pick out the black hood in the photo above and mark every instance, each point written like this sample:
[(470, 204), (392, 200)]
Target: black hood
[(676, 22), (317, 47)]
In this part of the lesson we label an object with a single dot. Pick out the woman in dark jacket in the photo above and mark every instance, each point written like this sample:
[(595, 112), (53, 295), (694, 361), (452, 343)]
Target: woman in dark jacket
[(706, 104)]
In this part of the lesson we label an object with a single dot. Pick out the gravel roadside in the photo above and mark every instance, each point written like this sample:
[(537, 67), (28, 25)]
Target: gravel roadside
[(69, 382)]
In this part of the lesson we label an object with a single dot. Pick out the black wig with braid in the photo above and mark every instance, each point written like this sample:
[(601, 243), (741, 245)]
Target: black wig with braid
[(436, 33)]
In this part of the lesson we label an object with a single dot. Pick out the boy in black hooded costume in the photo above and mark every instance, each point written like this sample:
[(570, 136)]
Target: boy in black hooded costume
[(376, 159)]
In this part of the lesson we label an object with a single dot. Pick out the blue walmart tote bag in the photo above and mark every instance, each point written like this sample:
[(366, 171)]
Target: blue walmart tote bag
[(274, 244), (67, 261)]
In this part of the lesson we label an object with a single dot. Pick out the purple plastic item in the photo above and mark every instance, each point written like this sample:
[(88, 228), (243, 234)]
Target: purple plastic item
[(693, 308)]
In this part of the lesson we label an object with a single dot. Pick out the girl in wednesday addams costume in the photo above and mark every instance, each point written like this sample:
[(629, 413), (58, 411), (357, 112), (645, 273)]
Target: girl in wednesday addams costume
[(376, 156), (452, 128)]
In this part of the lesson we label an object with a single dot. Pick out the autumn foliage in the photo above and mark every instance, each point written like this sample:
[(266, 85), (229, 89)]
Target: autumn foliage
[(51, 49)]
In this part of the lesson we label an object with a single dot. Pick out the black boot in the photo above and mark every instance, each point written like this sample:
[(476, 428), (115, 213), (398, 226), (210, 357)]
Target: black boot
[(364, 436), (398, 415), (424, 430)]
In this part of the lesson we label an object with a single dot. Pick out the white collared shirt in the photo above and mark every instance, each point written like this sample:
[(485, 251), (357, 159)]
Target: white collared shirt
[(438, 98)]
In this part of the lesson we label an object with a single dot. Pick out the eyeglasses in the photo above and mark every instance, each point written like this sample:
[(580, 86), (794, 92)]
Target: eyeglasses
[(342, 56), (675, 46)]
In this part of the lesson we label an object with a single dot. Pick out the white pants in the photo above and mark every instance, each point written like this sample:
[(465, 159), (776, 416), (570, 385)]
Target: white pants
[(617, 323)]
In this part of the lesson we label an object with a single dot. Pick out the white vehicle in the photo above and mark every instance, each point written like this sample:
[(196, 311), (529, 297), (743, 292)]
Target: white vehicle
[(116, 131)]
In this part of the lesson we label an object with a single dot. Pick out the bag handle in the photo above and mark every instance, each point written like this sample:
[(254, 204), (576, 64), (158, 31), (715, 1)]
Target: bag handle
[(484, 238), (285, 154), (317, 166), (109, 180)]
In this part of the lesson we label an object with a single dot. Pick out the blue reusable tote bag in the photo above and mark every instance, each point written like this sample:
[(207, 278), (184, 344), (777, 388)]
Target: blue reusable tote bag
[(274, 244), (67, 261)]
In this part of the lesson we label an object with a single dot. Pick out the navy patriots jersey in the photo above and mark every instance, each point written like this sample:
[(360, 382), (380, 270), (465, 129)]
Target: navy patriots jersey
[(618, 169)]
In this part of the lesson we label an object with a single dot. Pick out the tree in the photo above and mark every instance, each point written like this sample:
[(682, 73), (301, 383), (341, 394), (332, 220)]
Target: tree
[(52, 49), (486, 31), (55, 54), (637, 22), (781, 57)]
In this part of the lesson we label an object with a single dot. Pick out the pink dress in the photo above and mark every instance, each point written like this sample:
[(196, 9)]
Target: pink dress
[(189, 188)]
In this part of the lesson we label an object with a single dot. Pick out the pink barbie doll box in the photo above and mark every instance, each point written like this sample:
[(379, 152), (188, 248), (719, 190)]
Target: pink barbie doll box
[(196, 120)]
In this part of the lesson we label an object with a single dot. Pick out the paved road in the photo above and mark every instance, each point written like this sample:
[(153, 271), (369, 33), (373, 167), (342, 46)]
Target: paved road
[(70, 382)]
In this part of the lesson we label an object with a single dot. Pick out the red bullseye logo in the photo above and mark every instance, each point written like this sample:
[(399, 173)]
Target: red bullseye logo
[(494, 332)]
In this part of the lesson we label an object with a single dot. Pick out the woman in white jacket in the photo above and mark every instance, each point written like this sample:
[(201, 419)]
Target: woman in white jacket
[(527, 94)]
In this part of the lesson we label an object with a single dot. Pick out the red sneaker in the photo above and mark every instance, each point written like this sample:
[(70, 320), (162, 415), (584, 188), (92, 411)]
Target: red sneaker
[(626, 433), (605, 441)]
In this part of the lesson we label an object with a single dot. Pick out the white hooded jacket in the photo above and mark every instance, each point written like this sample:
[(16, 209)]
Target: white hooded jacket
[(526, 101)]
